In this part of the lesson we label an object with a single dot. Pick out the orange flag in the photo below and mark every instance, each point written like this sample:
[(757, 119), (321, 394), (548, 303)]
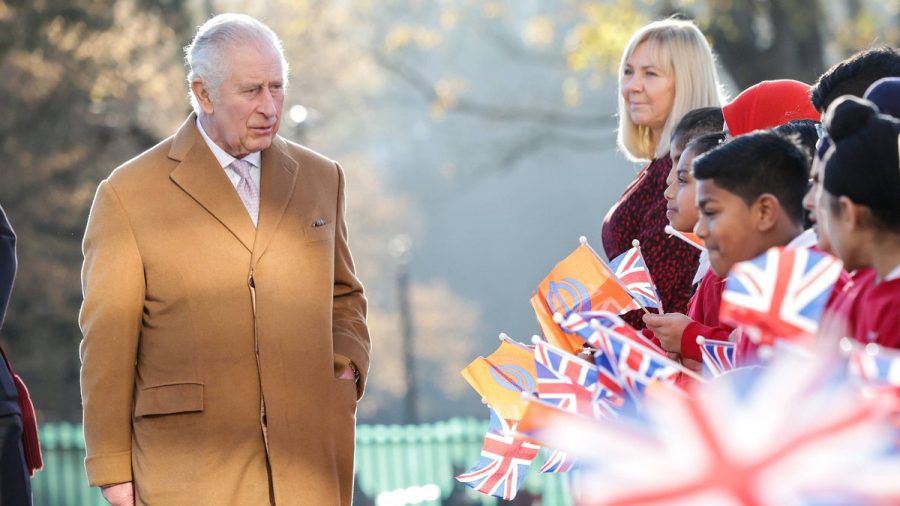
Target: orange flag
[(502, 376), (582, 282), (553, 333), (692, 239)]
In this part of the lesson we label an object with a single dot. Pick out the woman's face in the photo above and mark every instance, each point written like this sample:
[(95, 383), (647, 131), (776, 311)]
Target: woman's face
[(648, 89)]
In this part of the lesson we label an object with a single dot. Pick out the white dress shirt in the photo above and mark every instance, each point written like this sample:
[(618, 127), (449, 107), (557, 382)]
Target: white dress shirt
[(225, 159)]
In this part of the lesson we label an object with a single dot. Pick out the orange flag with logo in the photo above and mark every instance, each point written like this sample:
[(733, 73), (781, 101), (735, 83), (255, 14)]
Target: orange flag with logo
[(502, 376), (553, 333), (582, 282)]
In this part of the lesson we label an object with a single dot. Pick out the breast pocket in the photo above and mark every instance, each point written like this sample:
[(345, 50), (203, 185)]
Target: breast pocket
[(320, 233)]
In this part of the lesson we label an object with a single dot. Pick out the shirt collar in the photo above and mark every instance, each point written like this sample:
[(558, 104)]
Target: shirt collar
[(807, 239), (894, 274), (221, 155)]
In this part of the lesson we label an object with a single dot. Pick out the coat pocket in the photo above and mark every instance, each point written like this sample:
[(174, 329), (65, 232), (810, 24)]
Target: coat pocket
[(169, 399)]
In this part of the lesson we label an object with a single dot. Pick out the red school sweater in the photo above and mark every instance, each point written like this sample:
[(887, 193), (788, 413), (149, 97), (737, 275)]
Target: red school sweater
[(843, 309), (878, 317), (703, 309)]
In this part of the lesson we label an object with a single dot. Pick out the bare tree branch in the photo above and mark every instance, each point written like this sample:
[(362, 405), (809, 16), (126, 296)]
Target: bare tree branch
[(490, 112)]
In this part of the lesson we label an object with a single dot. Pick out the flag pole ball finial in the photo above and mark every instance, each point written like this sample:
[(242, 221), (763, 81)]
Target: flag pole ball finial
[(582, 240), (669, 230), (871, 349), (636, 243), (558, 318), (535, 339), (701, 340), (503, 336), (846, 345)]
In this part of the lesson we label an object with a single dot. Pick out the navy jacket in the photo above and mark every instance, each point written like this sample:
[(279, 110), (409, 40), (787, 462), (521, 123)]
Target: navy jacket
[(8, 397)]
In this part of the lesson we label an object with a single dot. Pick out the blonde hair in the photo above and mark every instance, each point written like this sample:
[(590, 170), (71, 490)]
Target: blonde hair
[(679, 47)]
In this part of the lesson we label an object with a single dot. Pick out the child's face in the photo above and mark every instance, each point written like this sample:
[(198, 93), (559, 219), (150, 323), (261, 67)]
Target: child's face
[(681, 206), (810, 203), (840, 223), (728, 225), (676, 147)]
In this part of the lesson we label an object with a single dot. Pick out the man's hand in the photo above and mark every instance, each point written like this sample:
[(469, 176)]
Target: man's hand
[(668, 328), (120, 495), (346, 374), (349, 373)]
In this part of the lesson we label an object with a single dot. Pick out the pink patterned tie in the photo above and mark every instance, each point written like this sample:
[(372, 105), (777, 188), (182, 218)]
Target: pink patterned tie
[(246, 188)]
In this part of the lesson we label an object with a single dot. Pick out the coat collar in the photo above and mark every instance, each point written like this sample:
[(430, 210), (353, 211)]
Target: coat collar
[(201, 177)]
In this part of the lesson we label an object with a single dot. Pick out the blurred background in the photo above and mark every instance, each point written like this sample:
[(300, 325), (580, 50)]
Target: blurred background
[(478, 138)]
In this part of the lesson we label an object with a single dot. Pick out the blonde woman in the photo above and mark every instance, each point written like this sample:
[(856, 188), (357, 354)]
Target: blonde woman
[(667, 70)]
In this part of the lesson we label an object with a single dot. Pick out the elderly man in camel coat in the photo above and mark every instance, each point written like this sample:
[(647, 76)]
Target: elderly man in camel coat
[(225, 342)]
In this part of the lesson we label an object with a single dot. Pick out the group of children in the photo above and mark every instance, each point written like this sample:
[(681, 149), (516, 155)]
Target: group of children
[(763, 171)]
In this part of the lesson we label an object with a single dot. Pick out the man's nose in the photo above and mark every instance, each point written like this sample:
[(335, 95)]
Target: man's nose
[(267, 105)]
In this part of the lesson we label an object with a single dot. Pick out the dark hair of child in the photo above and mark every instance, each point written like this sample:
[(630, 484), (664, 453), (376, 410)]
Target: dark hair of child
[(758, 163)]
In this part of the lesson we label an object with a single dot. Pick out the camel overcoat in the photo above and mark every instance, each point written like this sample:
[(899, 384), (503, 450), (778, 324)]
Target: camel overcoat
[(211, 346)]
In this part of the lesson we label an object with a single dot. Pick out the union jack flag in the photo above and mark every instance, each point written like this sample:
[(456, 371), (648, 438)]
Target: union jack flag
[(504, 461), (568, 382), (558, 462), (775, 435), (611, 388), (779, 294), (873, 365), (637, 364), (632, 271), (590, 324), (718, 356)]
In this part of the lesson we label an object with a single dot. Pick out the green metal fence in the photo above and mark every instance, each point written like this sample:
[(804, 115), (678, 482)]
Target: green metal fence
[(394, 463)]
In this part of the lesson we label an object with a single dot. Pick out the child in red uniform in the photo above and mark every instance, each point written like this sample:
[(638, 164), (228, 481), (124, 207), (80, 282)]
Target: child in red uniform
[(681, 211), (675, 332), (749, 192), (860, 210), (844, 307)]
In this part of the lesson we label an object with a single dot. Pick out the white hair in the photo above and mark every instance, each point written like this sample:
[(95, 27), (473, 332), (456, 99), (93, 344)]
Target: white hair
[(679, 47), (207, 54)]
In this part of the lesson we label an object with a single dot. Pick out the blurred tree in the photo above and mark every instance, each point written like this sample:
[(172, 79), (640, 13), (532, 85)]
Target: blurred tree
[(754, 41), (86, 85), (767, 40)]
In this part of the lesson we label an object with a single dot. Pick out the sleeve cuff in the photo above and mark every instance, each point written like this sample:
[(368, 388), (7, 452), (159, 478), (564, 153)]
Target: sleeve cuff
[(689, 347), (109, 468)]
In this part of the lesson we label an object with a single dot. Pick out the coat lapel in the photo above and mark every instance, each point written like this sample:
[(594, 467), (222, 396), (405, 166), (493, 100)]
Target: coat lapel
[(201, 177), (278, 176)]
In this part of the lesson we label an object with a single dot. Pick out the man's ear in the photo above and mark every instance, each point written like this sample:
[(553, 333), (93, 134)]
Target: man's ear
[(202, 95), (765, 212)]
